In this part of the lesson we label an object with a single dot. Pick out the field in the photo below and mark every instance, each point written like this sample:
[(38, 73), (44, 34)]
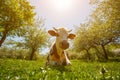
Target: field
[(11, 69)]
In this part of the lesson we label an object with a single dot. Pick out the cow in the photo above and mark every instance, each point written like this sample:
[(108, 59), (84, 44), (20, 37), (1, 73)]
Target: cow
[(57, 55)]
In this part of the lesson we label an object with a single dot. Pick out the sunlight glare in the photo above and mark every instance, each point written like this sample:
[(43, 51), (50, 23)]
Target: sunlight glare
[(62, 5)]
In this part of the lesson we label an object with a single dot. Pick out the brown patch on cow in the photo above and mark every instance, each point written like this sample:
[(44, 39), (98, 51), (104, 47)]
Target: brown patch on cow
[(53, 51), (64, 62), (53, 55)]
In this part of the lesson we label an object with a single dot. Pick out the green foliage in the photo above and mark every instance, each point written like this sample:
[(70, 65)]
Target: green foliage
[(17, 53), (106, 21), (35, 37), (14, 14), (35, 70), (83, 41), (102, 29), (13, 53)]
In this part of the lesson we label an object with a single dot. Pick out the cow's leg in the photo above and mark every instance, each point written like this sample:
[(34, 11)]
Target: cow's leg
[(47, 61), (53, 61), (65, 60)]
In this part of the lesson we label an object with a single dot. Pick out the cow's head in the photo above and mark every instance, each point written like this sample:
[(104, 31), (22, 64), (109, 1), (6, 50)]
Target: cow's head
[(62, 36)]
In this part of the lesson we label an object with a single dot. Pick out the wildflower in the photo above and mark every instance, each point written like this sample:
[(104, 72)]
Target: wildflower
[(103, 70)]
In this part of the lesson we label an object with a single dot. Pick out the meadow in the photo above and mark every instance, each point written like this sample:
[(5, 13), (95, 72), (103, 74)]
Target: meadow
[(12, 69)]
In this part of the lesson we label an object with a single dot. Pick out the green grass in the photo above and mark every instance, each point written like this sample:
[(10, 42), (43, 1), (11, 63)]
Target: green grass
[(11, 69)]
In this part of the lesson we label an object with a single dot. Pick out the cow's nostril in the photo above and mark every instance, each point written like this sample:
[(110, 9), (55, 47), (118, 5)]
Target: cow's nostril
[(62, 43), (65, 41)]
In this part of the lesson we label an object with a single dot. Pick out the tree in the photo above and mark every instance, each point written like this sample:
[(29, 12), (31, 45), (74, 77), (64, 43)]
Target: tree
[(83, 40), (103, 27), (106, 23), (14, 14), (35, 38)]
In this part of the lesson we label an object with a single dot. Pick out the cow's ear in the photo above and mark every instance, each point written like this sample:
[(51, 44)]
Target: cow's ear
[(71, 36), (52, 32)]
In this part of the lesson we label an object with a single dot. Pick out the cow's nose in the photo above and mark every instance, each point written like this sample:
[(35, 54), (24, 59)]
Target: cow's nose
[(65, 44)]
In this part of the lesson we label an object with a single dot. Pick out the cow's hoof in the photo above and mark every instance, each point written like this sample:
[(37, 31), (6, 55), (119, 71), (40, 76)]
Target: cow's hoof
[(69, 64)]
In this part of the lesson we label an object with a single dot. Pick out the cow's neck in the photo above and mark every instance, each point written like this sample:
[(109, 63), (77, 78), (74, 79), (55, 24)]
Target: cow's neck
[(59, 50)]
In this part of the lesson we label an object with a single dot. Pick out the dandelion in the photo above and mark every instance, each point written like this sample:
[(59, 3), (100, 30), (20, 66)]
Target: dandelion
[(16, 77), (103, 70), (42, 70)]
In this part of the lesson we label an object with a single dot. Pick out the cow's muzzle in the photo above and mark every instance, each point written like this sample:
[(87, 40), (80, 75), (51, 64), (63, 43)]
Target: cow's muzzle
[(64, 44)]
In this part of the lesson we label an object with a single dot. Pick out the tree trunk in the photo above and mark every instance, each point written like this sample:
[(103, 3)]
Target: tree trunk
[(32, 54), (105, 53), (3, 37), (88, 54)]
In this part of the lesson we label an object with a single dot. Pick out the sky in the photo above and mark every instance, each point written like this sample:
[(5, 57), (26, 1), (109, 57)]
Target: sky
[(62, 13)]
